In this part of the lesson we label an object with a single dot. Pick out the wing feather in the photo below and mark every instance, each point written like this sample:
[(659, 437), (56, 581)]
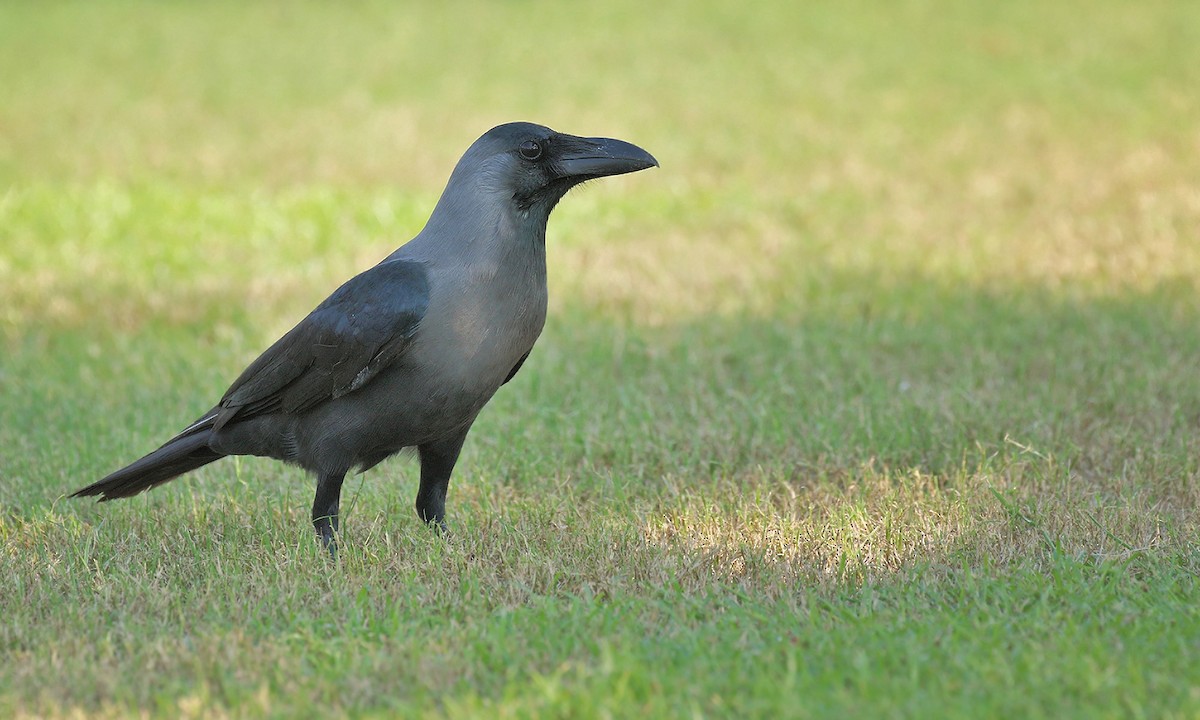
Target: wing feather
[(363, 327)]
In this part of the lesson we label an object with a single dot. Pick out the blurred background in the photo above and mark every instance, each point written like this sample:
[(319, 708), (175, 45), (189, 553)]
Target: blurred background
[(949, 222), (911, 306)]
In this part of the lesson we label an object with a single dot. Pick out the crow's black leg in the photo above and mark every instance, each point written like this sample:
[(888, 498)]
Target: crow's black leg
[(437, 462), (325, 508)]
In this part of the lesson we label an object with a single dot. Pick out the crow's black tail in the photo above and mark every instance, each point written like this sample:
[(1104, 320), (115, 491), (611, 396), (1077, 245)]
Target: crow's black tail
[(185, 452)]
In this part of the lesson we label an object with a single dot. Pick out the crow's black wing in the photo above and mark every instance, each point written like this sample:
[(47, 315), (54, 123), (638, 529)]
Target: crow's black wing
[(512, 373), (361, 328)]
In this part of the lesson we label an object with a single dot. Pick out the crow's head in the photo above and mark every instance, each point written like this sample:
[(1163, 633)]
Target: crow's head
[(532, 166)]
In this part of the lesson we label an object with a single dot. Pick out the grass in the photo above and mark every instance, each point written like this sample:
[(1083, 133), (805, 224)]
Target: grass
[(878, 399)]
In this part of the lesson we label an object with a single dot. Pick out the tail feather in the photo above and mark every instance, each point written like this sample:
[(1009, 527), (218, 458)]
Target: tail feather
[(185, 452)]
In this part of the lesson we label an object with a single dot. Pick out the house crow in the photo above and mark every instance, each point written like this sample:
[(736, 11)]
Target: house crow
[(407, 353)]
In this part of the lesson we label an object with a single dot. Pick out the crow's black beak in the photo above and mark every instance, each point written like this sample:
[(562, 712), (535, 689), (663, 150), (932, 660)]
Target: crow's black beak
[(599, 157)]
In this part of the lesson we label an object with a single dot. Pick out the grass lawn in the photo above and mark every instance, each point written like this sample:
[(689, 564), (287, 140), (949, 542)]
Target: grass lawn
[(881, 398)]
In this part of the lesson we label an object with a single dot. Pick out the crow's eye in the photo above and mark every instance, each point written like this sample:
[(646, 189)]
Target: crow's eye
[(530, 150)]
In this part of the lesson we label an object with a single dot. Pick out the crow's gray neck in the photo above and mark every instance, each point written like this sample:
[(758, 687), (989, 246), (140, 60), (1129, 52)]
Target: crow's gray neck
[(479, 224)]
